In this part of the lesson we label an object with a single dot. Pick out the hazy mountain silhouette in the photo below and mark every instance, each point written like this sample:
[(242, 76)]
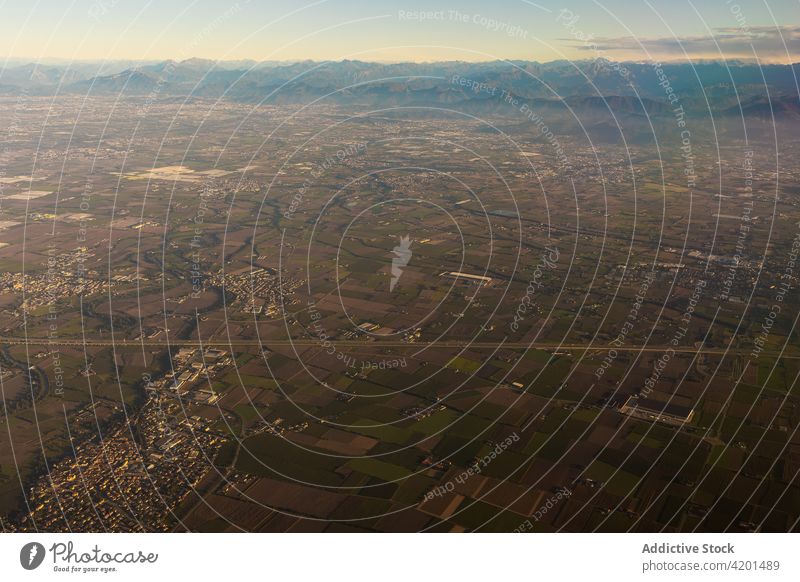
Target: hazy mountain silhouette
[(602, 94)]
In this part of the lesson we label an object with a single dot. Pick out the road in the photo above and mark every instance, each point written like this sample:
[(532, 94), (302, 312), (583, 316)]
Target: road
[(379, 344)]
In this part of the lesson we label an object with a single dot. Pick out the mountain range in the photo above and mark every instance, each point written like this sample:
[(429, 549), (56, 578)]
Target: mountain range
[(601, 87)]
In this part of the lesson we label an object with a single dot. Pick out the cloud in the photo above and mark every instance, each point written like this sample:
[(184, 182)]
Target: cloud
[(765, 43)]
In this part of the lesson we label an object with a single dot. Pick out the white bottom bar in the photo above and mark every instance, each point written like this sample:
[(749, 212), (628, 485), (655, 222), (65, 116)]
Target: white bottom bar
[(377, 557)]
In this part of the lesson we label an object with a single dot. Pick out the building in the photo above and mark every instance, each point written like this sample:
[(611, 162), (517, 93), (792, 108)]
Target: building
[(650, 409), (467, 277)]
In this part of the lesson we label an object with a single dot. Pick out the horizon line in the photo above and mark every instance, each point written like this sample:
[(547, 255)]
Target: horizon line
[(65, 60)]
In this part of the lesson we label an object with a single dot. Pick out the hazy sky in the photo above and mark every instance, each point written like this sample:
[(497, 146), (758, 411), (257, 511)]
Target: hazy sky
[(400, 30)]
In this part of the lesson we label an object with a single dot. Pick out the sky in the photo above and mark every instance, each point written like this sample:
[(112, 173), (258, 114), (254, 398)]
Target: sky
[(404, 30)]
